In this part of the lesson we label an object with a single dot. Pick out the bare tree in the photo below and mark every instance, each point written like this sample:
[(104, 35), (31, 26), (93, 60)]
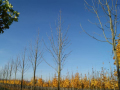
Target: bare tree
[(1, 73), (15, 68), (58, 48), (111, 15), (5, 75), (23, 66), (10, 69), (4, 70), (35, 57)]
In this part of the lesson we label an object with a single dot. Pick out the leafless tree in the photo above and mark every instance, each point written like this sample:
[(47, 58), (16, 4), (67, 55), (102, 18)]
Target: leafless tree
[(15, 68), (1, 72), (23, 66), (6, 74), (10, 69), (58, 48), (110, 12), (35, 57), (2, 75)]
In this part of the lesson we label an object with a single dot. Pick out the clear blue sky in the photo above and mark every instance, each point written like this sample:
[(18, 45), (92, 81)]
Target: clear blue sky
[(34, 14)]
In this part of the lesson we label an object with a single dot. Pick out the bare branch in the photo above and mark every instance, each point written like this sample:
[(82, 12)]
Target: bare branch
[(91, 36), (64, 58), (50, 51), (49, 64)]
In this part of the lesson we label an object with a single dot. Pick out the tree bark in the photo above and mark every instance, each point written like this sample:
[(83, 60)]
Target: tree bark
[(22, 80), (34, 73)]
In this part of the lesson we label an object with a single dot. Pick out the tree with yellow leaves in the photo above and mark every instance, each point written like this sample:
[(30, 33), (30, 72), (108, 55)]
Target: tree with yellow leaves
[(85, 82), (55, 82), (40, 82), (32, 81), (66, 83), (75, 81), (45, 84)]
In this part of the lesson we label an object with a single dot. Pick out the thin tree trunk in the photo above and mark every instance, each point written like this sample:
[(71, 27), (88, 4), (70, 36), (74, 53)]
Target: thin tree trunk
[(59, 78), (34, 79), (14, 81), (35, 70), (22, 81)]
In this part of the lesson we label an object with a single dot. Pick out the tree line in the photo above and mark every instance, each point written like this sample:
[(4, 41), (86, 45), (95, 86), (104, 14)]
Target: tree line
[(110, 10)]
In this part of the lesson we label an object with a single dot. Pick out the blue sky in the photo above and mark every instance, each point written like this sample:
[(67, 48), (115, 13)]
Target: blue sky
[(40, 14)]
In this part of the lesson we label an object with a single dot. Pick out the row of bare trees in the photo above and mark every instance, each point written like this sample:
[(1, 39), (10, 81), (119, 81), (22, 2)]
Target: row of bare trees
[(110, 12), (35, 56), (12, 67)]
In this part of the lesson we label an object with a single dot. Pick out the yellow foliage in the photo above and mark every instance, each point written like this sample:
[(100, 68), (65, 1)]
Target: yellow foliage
[(95, 82), (55, 82), (40, 82), (32, 81), (118, 53), (66, 83), (45, 84)]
